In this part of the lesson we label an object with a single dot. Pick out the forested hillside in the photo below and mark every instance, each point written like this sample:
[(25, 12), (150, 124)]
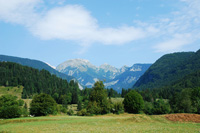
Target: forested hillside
[(35, 64), (168, 69), (36, 81)]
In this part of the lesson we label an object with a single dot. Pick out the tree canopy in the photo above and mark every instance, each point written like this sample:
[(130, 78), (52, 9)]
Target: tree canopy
[(133, 102), (10, 107), (42, 105)]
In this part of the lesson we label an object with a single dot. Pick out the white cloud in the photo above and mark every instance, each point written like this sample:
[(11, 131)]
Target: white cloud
[(75, 23), (18, 11), (180, 29), (174, 44), (71, 22)]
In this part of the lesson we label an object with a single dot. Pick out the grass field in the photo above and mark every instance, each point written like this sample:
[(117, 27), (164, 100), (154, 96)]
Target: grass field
[(15, 91), (107, 123)]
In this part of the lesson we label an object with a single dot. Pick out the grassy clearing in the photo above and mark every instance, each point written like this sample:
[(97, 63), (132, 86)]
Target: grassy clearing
[(117, 100), (107, 123), (15, 91)]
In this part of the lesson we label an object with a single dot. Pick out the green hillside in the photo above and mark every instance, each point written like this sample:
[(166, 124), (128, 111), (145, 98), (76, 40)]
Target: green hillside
[(34, 81), (34, 64), (15, 91), (169, 69)]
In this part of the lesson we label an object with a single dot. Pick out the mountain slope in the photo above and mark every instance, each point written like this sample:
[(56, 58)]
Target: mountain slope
[(33, 80), (168, 69), (128, 77), (87, 74), (34, 64)]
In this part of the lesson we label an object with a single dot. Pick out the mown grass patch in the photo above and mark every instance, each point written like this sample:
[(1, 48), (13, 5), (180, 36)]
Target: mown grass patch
[(117, 100), (15, 91), (106, 123)]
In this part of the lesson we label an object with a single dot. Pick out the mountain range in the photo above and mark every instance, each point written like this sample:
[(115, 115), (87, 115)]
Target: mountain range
[(87, 74)]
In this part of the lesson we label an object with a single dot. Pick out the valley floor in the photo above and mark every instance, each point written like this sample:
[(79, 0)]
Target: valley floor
[(106, 123)]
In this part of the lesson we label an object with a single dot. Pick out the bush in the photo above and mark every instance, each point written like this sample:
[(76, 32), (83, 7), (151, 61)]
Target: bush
[(42, 105), (93, 108), (148, 108), (70, 112), (83, 112), (10, 107), (133, 102), (117, 108), (161, 107)]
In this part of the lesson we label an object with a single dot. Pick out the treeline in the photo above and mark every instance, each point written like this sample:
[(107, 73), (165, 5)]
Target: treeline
[(182, 96), (35, 82)]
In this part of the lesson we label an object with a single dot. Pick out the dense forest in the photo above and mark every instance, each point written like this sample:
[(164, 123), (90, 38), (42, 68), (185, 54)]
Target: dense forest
[(36, 81), (168, 69), (175, 78), (34, 64)]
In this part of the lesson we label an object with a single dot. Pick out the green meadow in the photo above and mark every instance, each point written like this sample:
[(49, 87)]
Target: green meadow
[(107, 123)]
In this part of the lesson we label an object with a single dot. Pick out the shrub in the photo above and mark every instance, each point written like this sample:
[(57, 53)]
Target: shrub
[(70, 112), (83, 112), (10, 107), (148, 108), (161, 107), (42, 105), (133, 102), (117, 108)]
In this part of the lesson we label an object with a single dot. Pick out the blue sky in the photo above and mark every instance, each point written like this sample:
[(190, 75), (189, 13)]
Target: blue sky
[(117, 32)]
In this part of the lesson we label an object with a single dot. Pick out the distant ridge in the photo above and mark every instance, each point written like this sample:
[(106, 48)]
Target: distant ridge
[(34, 64)]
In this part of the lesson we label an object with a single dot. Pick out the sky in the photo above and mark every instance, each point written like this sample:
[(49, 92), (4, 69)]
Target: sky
[(117, 32)]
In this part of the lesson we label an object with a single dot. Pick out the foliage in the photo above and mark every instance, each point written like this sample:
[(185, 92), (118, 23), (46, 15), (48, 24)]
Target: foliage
[(79, 105), (42, 105), (169, 68), (83, 112), (187, 101), (148, 108), (10, 107), (34, 64), (133, 102), (98, 102), (117, 108), (161, 107), (196, 99), (112, 93), (70, 112), (36, 82)]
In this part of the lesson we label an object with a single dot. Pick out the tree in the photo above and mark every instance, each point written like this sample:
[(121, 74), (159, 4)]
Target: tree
[(75, 96), (79, 106), (9, 107), (133, 102), (161, 107), (42, 105), (123, 93), (98, 102), (196, 99)]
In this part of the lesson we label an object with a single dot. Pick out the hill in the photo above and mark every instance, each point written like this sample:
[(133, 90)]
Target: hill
[(169, 69), (35, 81), (35, 64)]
